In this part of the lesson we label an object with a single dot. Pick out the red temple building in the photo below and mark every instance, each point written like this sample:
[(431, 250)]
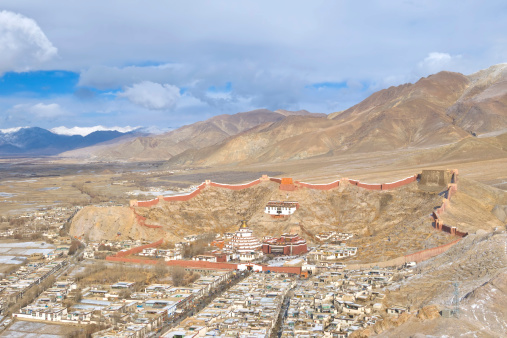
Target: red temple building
[(287, 244)]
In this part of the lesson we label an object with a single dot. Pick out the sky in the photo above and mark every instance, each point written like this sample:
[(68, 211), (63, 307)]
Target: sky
[(163, 63)]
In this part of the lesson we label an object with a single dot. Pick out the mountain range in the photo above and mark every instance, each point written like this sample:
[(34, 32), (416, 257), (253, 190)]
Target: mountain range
[(446, 110), (34, 141), (441, 109)]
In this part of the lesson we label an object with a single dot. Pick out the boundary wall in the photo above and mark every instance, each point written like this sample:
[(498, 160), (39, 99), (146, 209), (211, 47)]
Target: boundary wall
[(417, 257)]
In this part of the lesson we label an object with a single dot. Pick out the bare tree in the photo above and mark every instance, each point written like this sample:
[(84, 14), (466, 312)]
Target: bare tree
[(178, 275), (161, 269)]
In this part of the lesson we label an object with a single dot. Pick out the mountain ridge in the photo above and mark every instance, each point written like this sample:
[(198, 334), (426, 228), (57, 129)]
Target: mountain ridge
[(36, 141)]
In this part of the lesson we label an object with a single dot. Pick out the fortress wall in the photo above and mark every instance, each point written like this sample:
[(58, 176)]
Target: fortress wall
[(452, 188), (235, 187), (369, 186), (283, 186), (186, 197), (400, 183), (461, 234), (142, 220), (328, 186)]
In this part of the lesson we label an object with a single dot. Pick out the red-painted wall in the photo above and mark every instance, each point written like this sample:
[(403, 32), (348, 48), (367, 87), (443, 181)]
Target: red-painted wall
[(329, 186), (235, 187), (136, 250), (148, 203)]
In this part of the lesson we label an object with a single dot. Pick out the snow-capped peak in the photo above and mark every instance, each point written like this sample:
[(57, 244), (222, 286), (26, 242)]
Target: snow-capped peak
[(83, 131)]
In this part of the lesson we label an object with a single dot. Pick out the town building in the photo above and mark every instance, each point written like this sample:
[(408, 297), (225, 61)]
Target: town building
[(330, 252), (287, 244)]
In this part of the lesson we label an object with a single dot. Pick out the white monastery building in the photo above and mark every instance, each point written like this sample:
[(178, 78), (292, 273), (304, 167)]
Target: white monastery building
[(245, 244), (278, 208)]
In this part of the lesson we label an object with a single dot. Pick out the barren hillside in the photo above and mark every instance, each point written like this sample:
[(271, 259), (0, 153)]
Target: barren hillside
[(479, 265), (388, 224)]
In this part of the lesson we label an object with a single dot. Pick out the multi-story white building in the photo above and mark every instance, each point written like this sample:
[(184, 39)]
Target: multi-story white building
[(278, 208)]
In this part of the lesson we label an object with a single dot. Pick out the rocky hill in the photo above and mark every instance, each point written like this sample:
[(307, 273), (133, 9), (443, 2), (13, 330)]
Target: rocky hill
[(400, 215)]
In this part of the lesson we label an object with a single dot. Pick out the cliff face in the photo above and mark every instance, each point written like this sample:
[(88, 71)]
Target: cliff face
[(98, 223)]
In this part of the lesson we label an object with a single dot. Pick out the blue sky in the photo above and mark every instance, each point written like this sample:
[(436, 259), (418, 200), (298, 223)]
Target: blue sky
[(169, 63)]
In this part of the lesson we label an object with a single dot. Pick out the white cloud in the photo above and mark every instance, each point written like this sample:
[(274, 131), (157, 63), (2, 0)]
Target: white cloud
[(83, 131), (151, 95), (11, 130), (23, 44), (39, 110), (436, 62)]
